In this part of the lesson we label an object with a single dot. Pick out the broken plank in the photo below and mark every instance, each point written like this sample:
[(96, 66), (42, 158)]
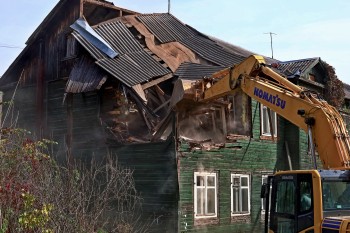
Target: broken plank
[(156, 81)]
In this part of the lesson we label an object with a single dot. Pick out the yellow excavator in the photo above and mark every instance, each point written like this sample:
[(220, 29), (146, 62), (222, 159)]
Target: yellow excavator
[(308, 201)]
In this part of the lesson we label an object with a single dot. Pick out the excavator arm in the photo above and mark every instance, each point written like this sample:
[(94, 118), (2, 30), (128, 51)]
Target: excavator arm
[(301, 107)]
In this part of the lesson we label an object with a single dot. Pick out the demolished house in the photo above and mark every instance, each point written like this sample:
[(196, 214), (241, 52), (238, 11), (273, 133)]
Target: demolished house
[(99, 79)]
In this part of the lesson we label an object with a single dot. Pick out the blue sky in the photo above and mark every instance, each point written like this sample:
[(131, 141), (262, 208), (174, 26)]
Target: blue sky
[(303, 29)]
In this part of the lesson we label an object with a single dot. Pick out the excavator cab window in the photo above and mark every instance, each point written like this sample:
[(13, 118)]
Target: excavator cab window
[(336, 195), (293, 203)]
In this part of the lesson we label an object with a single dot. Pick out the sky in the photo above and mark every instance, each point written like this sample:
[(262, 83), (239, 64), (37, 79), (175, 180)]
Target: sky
[(302, 29)]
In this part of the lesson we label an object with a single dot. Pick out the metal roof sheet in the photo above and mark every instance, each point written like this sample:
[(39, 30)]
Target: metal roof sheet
[(96, 53), (210, 51), (291, 67), (134, 66), (119, 37), (148, 64), (176, 27), (85, 76), (84, 29), (166, 27), (125, 70), (158, 29), (193, 71)]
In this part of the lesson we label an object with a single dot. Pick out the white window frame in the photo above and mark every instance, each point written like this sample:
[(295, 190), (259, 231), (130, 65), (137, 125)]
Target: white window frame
[(265, 121), (263, 208), (240, 188), (205, 187)]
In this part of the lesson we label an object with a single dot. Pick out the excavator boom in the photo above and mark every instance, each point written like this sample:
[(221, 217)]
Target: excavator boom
[(301, 107)]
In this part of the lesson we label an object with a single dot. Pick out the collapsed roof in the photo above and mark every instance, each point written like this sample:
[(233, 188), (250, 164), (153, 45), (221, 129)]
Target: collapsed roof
[(160, 46)]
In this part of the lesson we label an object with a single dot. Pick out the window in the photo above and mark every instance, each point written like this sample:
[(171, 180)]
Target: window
[(265, 122), (285, 197), (240, 194), (205, 194), (305, 190)]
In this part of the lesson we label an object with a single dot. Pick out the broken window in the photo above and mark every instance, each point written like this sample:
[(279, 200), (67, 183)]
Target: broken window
[(205, 194), (203, 124), (217, 120), (268, 129), (240, 194)]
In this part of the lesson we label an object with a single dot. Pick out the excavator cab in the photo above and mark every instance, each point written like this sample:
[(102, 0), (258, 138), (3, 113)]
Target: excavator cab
[(307, 201)]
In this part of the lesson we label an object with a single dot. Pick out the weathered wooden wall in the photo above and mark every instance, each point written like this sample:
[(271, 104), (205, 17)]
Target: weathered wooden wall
[(155, 175)]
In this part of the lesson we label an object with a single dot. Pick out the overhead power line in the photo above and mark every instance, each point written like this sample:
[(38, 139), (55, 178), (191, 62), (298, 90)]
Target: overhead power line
[(9, 46)]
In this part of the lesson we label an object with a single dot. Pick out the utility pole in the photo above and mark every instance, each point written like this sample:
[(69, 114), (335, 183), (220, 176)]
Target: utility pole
[(271, 33), (168, 6)]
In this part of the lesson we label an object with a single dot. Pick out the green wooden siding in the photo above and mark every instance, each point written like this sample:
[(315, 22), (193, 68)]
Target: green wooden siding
[(254, 156), (259, 158), (155, 175)]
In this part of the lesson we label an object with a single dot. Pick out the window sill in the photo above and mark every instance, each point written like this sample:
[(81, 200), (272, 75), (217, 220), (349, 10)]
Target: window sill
[(205, 217), (268, 137), (241, 218), (242, 214), (207, 220)]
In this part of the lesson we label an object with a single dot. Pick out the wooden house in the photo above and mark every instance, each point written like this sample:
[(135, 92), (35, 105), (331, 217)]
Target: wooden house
[(101, 80)]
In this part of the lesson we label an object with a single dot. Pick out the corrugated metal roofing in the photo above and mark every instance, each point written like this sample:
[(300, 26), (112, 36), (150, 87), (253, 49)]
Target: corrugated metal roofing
[(157, 28), (96, 53), (192, 71), (292, 67), (125, 70), (210, 51), (89, 34), (166, 27), (177, 28), (85, 76), (135, 66), (119, 37), (147, 64)]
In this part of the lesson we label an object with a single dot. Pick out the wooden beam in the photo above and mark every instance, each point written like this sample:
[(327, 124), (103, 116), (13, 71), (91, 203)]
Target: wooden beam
[(223, 119), (161, 106), (111, 6), (153, 97), (160, 93), (156, 81)]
